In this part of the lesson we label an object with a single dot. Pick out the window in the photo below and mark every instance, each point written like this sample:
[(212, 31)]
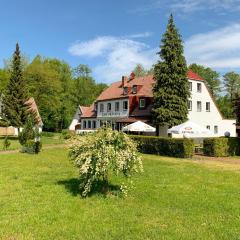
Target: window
[(199, 106), (94, 124), (208, 127), (101, 107), (199, 87), (190, 105), (207, 106), (215, 129), (95, 107), (89, 124), (125, 105), (134, 89), (125, 90), (190, 86), (84, 124), (109, 106), (142, 103), (116, 106)]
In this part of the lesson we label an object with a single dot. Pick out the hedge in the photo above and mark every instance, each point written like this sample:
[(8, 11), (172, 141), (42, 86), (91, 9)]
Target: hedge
[(173, 147), (221, 147)]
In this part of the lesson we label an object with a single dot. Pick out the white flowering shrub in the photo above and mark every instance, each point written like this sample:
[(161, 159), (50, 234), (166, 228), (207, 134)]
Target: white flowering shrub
[(102, 153)]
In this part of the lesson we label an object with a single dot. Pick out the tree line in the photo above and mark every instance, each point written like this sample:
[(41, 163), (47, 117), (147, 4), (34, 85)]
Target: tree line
[(56, 87)]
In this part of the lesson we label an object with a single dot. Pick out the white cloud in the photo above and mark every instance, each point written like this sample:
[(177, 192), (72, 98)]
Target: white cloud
[(118, 56), (216, 49), (140, 35), (190, 6)]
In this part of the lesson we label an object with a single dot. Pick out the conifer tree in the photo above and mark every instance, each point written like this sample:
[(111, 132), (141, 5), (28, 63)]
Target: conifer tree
[(171, 89), (15, 111)]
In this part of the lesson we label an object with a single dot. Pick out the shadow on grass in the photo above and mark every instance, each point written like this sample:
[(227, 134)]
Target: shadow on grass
[(72, 186)]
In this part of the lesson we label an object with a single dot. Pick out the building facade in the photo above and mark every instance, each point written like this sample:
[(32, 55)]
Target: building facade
[(130, 100)]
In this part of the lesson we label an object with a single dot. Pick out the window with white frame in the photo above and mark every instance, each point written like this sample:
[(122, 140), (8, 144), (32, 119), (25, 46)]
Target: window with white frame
[(215, 129), (89, 124), (109, 107), (189, 105), (199, 87), (84, 124), (125, 105), (101, 107), (207, 106), (116, 106), (190, 86), (142, 103), (199, 106), (94, 124), (208, 127)]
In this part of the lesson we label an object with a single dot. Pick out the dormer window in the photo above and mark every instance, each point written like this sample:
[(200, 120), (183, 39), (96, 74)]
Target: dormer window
[(142, 103), (134, 89), (125, 90)]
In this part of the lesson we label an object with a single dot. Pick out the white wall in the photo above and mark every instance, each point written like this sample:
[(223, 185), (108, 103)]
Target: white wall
[(212, 118), (75, 120), (113, 113)]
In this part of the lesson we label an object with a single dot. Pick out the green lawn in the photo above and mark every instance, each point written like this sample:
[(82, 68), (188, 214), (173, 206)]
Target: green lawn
[(55, 139), (173, 199)]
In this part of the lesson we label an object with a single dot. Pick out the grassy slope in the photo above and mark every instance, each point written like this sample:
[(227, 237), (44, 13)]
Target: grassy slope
[(56, 139), (173, 199)]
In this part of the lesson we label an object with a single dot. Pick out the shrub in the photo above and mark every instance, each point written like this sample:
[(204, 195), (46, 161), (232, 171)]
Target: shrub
[(6, 143), (98, 154), (29, 138), (174, 147), (32, 147), (221, 147), (27, 132), (67, 134)]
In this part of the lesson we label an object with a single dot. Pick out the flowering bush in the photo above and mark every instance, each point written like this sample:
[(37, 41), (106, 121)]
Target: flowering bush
[(102, 152)]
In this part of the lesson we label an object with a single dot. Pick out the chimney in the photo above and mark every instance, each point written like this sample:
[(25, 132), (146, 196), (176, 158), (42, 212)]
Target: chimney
[(124, 81), (132, 76)]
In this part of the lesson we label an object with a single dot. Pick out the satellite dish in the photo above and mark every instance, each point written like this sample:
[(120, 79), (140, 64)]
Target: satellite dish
[(227, 134)]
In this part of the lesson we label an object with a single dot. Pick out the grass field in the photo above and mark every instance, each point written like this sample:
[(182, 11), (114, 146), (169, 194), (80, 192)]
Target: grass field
[(173, 199), (55, 139)]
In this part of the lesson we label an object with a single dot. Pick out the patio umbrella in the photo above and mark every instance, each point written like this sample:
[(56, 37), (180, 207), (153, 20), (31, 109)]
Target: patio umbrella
[(191, 129), (139, 127)]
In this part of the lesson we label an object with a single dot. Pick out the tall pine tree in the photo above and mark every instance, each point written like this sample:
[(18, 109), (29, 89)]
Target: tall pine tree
[(15, 111), (171, 89)]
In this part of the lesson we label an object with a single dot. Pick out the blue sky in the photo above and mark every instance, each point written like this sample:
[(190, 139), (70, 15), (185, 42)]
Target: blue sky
[(113, 36)]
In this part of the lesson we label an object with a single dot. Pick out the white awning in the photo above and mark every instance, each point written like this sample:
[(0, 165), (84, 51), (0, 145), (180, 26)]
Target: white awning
[(139, 127), (191, 129)]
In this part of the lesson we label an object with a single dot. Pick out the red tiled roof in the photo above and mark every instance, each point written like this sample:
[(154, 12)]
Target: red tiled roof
[(88, 112), (193, 76), (34, 109), (115, 91)]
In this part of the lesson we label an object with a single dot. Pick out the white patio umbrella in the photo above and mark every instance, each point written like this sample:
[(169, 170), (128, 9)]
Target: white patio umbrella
[(191, 129), (139, 127)]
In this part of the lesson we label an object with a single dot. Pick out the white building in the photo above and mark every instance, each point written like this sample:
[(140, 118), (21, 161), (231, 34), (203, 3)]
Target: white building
[(131, 99)]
